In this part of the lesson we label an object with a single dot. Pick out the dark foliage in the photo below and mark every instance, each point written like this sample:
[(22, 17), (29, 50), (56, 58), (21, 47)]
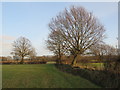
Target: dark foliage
[(29, 62), (102, 78)]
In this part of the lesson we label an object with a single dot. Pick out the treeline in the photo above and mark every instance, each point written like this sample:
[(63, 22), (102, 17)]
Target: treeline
[(35, 60), (67, 59)]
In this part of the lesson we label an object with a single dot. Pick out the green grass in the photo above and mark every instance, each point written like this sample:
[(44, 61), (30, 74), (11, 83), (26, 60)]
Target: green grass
[(41, 76), (51, 62), (96, 64), (92, 65)]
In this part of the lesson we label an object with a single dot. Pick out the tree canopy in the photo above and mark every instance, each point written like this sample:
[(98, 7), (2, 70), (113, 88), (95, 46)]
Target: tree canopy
[(22, 47), (77, 29)]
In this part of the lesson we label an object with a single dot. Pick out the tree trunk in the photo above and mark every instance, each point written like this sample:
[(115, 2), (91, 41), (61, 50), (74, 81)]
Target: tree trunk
[(22, 59), (59, 59), (74, 60), (17, 61), (59, 56)]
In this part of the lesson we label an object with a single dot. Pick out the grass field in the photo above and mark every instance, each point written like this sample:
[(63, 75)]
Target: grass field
[(91, 65), (41, 76)]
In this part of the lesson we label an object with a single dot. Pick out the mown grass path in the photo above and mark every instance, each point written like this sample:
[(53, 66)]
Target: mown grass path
[(40, 76)]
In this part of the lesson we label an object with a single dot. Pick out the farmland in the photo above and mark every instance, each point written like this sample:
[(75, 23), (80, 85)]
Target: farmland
[(41, 76)]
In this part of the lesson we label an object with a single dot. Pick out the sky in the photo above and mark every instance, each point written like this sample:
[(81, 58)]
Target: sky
[(31, 19)]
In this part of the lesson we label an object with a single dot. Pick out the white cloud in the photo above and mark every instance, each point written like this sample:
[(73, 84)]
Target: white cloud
[(6, 44), (6, 37)]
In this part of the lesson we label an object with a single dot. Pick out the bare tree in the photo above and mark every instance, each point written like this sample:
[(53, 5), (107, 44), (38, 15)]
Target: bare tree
[(32, 54), (103, 50), (106, 53), (110, 62), (22, 47), (55, 44), (78, 29), (99, 50)]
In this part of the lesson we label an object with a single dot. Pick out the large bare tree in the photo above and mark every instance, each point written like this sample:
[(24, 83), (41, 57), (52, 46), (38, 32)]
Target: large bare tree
[(22, 47), (78, 28)]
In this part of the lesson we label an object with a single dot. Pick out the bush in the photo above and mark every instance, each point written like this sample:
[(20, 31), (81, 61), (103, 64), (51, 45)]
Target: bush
[(101, 78)]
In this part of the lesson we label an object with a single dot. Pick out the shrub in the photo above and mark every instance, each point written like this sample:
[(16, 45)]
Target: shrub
[(101, 78)]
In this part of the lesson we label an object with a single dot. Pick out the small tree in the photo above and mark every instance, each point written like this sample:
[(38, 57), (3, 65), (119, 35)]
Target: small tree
[(99, 50), (78, 29), (22, 47), (110, 62), (56, 44), (32, 54), (104, 52)]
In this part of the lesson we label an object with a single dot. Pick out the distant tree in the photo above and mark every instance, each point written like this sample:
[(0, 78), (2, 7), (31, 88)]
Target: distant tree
[(110, 62), (98, 50), (3, 59), (78, 29), (9, 58), (22, 47), (103, 50), (16, 57), (106, 53), (32, 54)]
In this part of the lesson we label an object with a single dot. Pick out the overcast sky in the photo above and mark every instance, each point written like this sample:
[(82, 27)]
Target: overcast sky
[(31, 19)]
